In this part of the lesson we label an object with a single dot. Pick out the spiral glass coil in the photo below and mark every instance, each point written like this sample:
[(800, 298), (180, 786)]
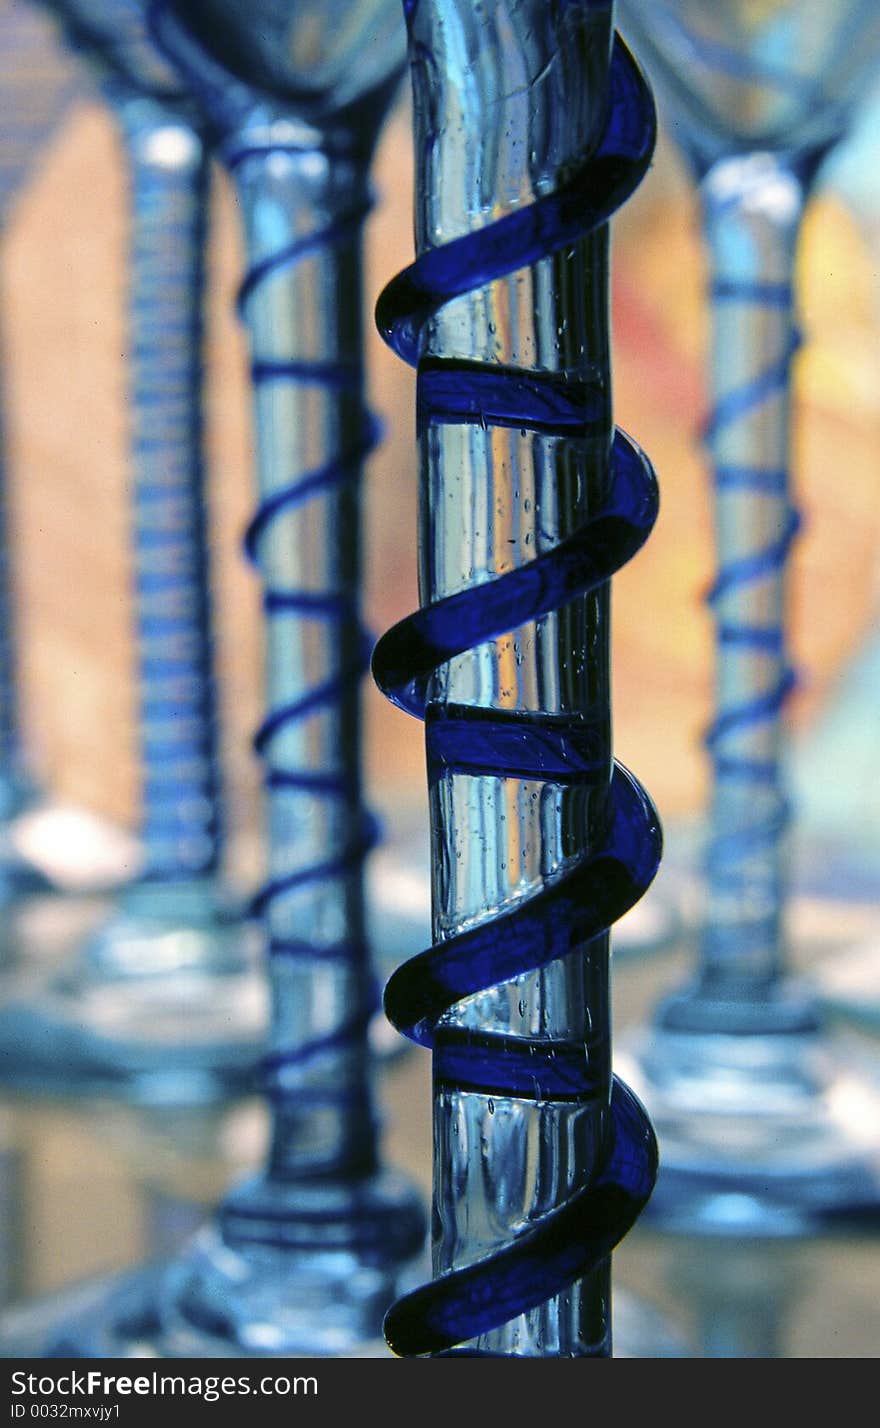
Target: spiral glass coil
[(526, 142)]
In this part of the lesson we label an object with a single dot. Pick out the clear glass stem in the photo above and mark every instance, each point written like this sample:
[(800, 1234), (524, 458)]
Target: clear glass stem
[(506, 95), (180, 799), (752, 208), (302, 304)]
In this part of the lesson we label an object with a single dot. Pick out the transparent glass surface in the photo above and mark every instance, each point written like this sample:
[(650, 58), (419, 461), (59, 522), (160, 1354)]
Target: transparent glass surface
[(752, 213), (781, 75), (113, 35), (838, 833), (753, 1104), (150, 1175), (167, 984), (316, 57), (508, 98), (311, 313), (831, 761)]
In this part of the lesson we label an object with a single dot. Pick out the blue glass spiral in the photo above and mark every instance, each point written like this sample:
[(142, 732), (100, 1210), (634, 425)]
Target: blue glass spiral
[(293, 1072), (744, 858), (304, 195), (752, 1094), (335, 611), (584, 900)]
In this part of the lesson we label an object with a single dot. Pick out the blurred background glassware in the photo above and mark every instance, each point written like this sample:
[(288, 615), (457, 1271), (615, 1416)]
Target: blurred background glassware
[(161, 1170), (832, 761), (305, 1256), (764, 1117), (160, 1002)]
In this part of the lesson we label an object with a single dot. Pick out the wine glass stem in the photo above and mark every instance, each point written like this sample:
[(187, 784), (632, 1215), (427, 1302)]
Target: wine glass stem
[(752, 207), (493, 494), (302, 305), (180, 799)]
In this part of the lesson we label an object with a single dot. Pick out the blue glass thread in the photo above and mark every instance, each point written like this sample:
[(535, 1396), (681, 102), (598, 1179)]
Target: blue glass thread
[(755, 115), (322, 867), (303, 196), (756, 524), (754, 1098), (612, 840)]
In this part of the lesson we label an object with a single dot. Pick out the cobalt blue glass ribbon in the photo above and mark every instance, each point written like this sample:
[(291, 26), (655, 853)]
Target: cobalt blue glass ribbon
[(583, 901)]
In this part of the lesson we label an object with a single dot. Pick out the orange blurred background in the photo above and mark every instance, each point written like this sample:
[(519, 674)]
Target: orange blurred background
[(64, 276)]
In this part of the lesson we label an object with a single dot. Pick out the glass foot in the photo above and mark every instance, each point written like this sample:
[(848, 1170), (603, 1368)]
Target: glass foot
[(37, 1328), (71, 850), (122, 1316), (163, 1004), (763, 1131), (295, 1271), (50, 847), (21, 875)]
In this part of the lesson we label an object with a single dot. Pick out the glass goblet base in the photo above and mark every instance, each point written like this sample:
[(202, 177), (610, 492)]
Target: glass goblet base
[(833, 914), (123, 1316), (279, 1271), (21, 875), (770, 1127), (162, 1004)]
